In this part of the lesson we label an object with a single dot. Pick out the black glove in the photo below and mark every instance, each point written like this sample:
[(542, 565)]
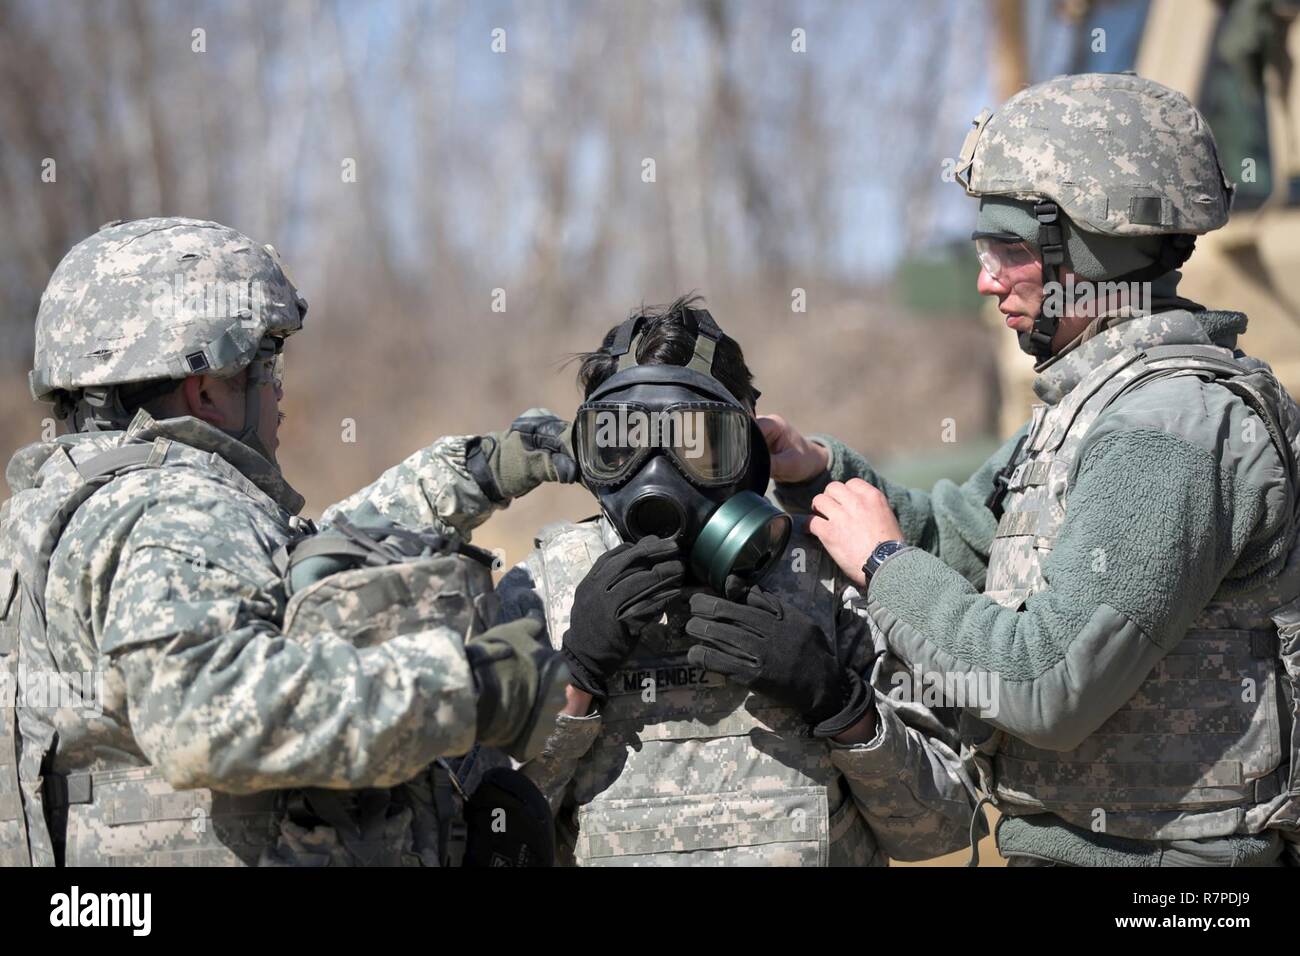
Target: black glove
[(508, 822), (627, 588), (778, 651)]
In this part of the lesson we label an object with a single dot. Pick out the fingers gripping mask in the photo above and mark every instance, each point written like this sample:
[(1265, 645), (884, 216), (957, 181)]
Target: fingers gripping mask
[(670, 452)]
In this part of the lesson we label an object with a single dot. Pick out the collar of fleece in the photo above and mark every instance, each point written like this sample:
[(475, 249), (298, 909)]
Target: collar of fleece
[(1062, 372)]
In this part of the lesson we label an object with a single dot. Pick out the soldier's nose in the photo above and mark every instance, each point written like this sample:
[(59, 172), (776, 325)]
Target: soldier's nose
[(987, 285)]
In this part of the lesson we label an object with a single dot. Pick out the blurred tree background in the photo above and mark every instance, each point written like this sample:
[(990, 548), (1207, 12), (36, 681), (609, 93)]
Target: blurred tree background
[(569, 160), (469, 192)]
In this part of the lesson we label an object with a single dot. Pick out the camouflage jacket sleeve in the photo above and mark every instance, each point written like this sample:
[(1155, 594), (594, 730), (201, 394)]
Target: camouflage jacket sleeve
[(458, 481), (950, 521), (432, 488), (908, 780), (522, 593), (218, 697)]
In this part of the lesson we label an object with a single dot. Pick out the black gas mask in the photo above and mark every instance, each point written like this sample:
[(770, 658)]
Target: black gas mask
[(670, 452)]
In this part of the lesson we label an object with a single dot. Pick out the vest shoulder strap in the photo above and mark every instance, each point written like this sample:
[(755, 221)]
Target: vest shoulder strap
[(109, 464), (22, 595), (1255, 386)]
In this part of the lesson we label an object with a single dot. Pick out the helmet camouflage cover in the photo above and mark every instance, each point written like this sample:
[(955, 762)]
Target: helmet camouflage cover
[(1119, 154), (159, 299)]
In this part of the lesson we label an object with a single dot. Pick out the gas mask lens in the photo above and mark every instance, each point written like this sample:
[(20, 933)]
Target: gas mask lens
[(711, 443), (997, 255), (605, 454), (708, 442)]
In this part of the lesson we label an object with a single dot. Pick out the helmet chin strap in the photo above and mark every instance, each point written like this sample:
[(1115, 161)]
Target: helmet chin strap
[(1038, 340), (252, 417)]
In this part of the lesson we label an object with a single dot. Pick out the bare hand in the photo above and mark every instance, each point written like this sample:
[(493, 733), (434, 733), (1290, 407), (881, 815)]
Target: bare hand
[(795, 459), (851, 520)]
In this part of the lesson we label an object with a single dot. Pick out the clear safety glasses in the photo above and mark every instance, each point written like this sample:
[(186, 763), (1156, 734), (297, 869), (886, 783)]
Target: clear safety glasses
[(268, 363), (708, 441), (997, 256)]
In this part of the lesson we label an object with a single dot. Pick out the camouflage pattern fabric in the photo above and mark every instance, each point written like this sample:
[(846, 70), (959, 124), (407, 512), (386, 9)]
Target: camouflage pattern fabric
[(681, 767), (1144, 613), (431, 489), (164, 643), (158, 299), (13, 830), (1121, 155), (1176, 511), (1189, 755)]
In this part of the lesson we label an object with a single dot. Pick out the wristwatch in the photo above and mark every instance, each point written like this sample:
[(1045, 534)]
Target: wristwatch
[(883, 551)]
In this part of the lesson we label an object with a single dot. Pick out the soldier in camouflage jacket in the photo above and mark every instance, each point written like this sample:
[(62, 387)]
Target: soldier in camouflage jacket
[(679, 765), (154, 709)]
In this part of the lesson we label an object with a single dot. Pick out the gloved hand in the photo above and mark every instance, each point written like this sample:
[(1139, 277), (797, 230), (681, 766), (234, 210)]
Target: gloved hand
[(508, 822), (521, 682), (538, 447), (765, 644), (627, 588)]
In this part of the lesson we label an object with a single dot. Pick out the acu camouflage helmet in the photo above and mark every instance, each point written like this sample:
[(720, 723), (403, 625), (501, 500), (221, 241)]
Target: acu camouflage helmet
[(158, 299), (1118, 154)]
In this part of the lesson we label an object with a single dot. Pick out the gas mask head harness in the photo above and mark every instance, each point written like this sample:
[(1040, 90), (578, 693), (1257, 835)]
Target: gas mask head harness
[(669, 451)]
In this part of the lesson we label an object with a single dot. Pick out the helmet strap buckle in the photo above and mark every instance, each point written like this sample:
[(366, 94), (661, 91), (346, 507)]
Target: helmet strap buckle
[(1038, 342)]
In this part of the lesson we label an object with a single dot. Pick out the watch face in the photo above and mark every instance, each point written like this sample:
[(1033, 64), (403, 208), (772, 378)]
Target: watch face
[(883, 550)]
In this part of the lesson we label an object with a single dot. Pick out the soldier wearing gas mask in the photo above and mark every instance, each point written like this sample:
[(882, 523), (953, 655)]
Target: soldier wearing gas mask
[(728, 701)]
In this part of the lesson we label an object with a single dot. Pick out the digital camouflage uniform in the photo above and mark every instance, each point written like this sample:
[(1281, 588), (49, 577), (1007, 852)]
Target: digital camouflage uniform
[(681, 767), (198, 716), (1134, 587), (163, 585)]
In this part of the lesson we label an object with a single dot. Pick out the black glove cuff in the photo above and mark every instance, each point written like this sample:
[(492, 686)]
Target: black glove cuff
[(478, 454), (581, 677), (860, 699)]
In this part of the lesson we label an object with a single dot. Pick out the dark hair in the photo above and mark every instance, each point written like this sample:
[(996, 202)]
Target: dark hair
[(151, 394), (665, 340), (148, 395)]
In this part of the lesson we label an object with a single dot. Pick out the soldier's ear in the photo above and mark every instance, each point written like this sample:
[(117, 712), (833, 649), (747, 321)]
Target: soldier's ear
[(209, 399)]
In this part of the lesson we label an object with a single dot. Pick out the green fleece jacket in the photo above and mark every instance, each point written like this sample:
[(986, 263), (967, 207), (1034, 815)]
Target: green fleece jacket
[(1182, 508)]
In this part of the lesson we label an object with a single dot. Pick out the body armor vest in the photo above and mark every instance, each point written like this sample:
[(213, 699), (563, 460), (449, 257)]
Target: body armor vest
[(691, 769), (1146, 766), (128, 814)]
